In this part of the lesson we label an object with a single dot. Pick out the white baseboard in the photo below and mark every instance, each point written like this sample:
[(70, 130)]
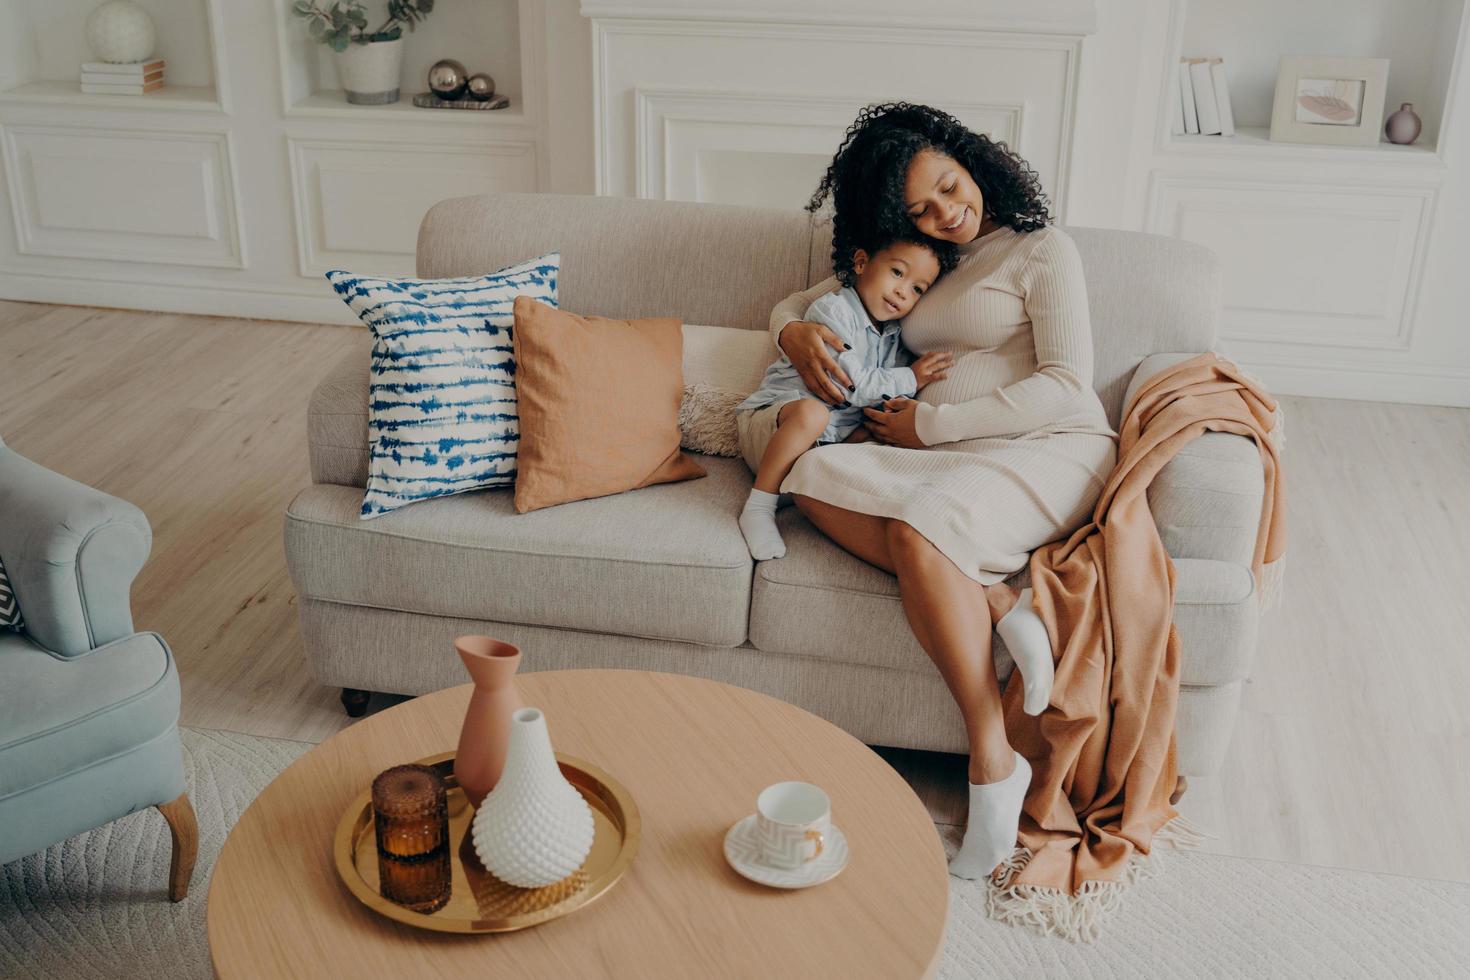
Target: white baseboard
[(1408, 384), (304, 303)]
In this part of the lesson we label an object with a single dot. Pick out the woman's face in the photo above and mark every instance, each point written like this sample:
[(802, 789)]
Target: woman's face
[(942, 198)]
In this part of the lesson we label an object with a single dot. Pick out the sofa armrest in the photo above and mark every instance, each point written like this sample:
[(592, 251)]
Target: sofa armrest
[(337, 420), (71, 552), (1207, 500)]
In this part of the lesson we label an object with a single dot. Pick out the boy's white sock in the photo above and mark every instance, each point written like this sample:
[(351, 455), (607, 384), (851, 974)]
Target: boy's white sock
[(995, 819), (758, 524), (1026, 637)]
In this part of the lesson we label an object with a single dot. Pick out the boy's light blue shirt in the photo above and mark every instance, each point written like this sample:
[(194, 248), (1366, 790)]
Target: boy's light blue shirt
[(877, 364)]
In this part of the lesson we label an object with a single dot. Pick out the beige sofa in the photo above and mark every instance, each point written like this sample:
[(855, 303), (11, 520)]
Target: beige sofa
[(660, 578)]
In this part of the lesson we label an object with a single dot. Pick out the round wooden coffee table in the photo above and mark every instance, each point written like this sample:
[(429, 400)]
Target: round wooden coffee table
[(693, 754)]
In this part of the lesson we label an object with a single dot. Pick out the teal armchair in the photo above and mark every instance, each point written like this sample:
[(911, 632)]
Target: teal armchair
[(89, 709)]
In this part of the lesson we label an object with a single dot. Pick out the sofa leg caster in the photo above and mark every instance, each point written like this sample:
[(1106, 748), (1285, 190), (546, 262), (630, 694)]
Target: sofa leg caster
[(355, 701), (185, 831), (1180, 785)]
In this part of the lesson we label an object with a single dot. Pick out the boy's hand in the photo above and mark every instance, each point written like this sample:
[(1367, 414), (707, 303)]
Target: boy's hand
[(933, 366)]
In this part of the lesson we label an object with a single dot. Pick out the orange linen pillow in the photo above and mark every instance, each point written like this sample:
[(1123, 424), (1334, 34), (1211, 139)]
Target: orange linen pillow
[(599, 405)]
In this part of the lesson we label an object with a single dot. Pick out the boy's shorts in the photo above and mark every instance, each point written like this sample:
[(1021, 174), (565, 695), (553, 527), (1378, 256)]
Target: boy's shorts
[(755, 429)]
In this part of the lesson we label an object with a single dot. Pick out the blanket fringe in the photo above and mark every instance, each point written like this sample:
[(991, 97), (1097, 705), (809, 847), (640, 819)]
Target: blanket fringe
[(1079, 917)]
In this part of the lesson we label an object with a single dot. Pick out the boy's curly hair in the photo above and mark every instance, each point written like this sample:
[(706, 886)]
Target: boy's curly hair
[(866, 178), (947, 253)]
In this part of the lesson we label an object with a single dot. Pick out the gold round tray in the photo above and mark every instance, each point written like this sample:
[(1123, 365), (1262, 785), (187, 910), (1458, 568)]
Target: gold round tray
[(478, 901)]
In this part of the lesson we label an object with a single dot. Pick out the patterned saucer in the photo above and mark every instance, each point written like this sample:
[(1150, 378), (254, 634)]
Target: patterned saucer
[(743, 853)]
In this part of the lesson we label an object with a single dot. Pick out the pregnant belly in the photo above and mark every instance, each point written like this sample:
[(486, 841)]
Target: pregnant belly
[(978, 373)]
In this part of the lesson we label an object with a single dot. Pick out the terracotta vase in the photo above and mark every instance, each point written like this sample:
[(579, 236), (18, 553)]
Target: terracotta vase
[(486, 731)]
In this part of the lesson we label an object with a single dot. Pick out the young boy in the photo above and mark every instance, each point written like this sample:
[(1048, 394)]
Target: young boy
[(782, 419)]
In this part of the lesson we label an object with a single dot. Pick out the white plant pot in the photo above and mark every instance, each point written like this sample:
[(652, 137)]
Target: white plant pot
[(534, 829), (369, 72)]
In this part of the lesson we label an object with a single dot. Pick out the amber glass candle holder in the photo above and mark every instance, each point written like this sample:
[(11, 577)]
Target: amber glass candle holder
[(411, 820)]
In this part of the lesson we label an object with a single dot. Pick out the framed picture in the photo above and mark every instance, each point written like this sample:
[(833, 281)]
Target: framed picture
[(1329, 100)]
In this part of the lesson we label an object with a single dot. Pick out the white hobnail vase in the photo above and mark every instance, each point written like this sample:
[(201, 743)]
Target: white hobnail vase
[(534, 829)]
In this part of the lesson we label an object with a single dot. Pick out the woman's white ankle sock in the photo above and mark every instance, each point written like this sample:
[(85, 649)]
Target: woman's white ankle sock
[(995, 820), (1030, 646), (758, 524)]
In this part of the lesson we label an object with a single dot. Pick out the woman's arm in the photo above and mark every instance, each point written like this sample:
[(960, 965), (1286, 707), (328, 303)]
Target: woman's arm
[(794, 307), (870, 384), (1056, 301), (806, 344)]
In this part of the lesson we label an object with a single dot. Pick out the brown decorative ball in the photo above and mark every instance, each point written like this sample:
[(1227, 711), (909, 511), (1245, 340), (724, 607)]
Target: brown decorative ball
[(481, 86), (447, 79)]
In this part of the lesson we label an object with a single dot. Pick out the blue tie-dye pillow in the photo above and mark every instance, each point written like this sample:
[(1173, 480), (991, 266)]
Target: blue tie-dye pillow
[(442, 413)]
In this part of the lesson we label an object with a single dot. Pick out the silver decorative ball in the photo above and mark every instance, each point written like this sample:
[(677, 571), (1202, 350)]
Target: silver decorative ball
[(481, 86), (447, 79), (121, 32)]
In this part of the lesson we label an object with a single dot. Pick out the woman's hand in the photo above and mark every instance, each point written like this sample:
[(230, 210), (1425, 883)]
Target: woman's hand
[(896, 424), (806, 345)]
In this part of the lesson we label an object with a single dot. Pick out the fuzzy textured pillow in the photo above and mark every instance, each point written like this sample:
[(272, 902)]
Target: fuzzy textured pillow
[(599, 405), (722, 365)]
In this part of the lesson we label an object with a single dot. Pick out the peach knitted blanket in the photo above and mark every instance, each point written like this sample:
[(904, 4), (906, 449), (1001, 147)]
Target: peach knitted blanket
[(1103, 751)]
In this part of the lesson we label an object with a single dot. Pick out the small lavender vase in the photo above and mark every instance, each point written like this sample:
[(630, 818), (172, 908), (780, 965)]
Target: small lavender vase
[(1403, 127)]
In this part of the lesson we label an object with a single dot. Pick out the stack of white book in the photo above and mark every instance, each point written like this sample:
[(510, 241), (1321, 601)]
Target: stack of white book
[(107, 78), (1204, 98)]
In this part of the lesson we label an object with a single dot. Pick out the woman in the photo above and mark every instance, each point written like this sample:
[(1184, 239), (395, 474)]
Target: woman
[(1007, 453)]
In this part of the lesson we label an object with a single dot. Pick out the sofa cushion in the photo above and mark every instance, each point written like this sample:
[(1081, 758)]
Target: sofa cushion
[(599, 405), (443, 399), (665, 562), (62, 714), (819, 601)]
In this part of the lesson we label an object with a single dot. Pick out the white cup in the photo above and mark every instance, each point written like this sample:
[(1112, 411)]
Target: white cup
[(792, 823)]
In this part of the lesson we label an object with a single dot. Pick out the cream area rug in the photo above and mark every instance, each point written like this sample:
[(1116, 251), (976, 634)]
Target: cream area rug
[(95, 906)]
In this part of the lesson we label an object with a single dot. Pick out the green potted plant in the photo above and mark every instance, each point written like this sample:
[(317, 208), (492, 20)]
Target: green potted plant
[(369, 63)]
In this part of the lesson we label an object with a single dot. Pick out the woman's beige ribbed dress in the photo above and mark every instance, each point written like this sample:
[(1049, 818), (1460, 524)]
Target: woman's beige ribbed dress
[(1017, 442)]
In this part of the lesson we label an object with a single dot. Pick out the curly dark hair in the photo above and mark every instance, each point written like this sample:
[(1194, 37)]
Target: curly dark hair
[(947, 253), (867, 175)]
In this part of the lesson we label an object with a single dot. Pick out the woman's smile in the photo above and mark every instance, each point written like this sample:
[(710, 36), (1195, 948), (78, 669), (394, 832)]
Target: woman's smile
[(959, 219)]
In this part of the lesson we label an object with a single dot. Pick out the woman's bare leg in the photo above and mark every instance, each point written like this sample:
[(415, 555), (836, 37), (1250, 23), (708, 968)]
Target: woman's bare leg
[(866, 537), (950, 615), (862, 535), (948, 606)]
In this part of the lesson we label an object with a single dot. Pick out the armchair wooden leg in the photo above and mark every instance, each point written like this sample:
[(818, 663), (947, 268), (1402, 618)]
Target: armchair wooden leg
[(355, 701), (185, 830)]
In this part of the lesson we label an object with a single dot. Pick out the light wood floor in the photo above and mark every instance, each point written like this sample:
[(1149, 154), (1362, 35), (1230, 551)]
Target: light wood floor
[(1352, 749)]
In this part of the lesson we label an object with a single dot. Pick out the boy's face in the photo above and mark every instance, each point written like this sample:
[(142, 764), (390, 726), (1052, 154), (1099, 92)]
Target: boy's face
[(891, 280)]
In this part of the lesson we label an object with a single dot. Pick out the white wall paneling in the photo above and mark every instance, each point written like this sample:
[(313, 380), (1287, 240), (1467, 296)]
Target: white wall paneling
[(130, 195), (154, 201), (741, 111), (344, 219), (1341, 264), (754, 148), (1288, 277)]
